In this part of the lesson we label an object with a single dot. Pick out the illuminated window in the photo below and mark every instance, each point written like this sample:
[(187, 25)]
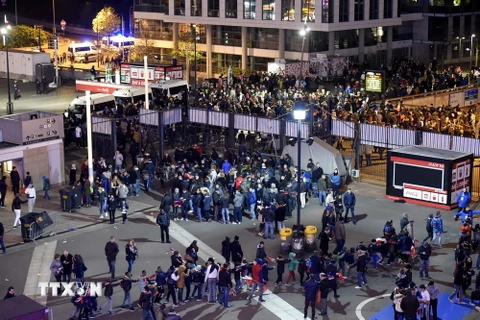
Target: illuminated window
[(327, 11), (288, 10), (196, 8), (249, 7), (179, 7), (308, 10), (268, 9)]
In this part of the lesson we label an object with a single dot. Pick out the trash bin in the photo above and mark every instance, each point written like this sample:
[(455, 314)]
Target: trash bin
[(25, 222), (297, 240), (285, 241), (76, 197), (66, 199), (310, 236)]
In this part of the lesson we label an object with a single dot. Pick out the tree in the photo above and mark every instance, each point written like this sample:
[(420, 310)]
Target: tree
[(107, 22), (144, 46), (186, 46), (22, 36)]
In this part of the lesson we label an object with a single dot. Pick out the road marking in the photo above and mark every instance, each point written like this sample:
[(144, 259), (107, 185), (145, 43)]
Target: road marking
[(275, 304), (358, 310), (39, 270)]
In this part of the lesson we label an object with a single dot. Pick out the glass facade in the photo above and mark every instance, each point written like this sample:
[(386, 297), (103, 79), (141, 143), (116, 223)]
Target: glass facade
[(344, 10), (231, 9), (249, 7), (213, 8), (327, 11), (374, 36), (374, 6), (196, 8), (268, 9), (317, 41), (263, 38), (179, 8), (288, 10), (388, 9), (227, 36), (359, 10), (308, 10), (153, 29), (346, 39), (293, 41), (150, 5)]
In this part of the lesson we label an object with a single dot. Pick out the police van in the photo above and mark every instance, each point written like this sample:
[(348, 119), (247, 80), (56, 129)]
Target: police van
[(82, 50), (131, 95), (170, 88), (98, 103)]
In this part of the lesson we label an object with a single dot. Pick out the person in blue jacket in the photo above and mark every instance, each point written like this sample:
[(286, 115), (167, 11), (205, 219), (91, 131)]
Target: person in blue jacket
[(466, 213), (463, 199), (252, 201), (311, 288), (336, 181), (437, 225), (349, 203)]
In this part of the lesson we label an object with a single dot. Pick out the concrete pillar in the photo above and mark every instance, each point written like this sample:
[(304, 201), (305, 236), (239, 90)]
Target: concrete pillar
[(351, 11), (278, 10), (175, 34), (381, 8), (298, 11), (220, 60), (389, 45), (395, 9), (222, 9), (208, 30), (204, 7), (188, 8), (366, 10), (336, 11), (219, 36), (171, 7), (244, 47), (281, 43), (361, 45), (331, 43), (449, 38)]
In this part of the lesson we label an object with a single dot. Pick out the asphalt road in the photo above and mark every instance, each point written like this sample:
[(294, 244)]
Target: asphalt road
[(372, 212)]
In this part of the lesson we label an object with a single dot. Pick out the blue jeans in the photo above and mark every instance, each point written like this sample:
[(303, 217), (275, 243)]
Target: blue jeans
[(199, 214), (340, 244), (127, 298), (118, 167), (459, 291), (322, 196), (212, 289), (88, 199), (335, 189), (2, 244), (226, 215), (111, 268), (268, 230), (185, 208), (175, 212), (198, 287), (130, 265), (137, 187), (259, 286), (237, 214), (361, 276), (225, 295), (424, 268), (350, 208), (147, 315), (46, 195), (252, 211)]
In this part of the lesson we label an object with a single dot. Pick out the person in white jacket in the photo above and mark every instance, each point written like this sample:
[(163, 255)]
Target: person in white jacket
[(211, 276), (31, 196)]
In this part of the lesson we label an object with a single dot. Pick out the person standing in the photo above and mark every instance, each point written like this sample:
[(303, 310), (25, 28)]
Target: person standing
[(67, 263), (57, 268), (269, 218), (324, 290), (146, 302), (322, 190), (225, 283), (78, 136), (17, 208), (434, 292), (258, 281), (429, 228), (46, 188), (163, 221), (236, 250), (336, 182), (15, 179), (126, 285), (311, 288), (211, 279), (112, 207), (340, 234), (2, 243), (131, 254), (111, 251), (73, 174), (424, 303), (437, 225), (3, 191), (349, 203), (118, 158), (425, 251), (31, 196), (226, 249), (410, 305), (28, 180), (463, 199)]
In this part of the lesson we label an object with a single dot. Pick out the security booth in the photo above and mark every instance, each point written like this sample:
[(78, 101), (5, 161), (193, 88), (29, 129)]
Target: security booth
[(428, 176)]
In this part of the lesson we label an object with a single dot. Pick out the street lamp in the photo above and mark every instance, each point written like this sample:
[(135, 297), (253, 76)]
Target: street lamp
[(460, 48), (299, 114), (4, 31), (303, 33), (57, 79), (471, 51), (195, 38)]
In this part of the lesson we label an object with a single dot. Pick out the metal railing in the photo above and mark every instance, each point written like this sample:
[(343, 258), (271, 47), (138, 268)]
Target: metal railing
[(35, 232)]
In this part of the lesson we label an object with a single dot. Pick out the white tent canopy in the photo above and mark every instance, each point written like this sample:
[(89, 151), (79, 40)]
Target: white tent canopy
[(320, 151)]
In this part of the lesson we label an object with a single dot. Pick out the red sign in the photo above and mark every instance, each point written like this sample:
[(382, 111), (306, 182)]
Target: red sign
[(418, 162), (133, 74), (97, 87)]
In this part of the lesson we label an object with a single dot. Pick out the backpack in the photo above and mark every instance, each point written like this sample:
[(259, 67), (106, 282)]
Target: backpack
[(388, 230)]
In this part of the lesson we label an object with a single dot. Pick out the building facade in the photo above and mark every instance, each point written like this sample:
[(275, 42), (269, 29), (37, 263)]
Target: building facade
[(247, 34)]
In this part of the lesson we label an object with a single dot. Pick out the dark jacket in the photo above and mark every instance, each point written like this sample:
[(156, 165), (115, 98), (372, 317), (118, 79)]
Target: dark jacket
[(3, 186), (126, 284), (360, 263), (79, 269), (261, 254), (111, 251), (281, 265), (236, 251), (425, 252), (311, 288), (14, 177), (145, 300), (163, 219), (268, 215), (2, 230), (161, 278), (280, 213), (16, 204), (324, 288), (108, 288), (224, 278), (176, 261), (131, 253), (410, 305), (67, 263), (226, 248)]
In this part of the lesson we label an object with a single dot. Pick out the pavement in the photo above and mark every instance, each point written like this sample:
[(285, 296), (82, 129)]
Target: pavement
[(372, 211)]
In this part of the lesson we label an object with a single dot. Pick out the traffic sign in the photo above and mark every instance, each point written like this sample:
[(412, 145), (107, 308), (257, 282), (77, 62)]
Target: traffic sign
[(63, 23)]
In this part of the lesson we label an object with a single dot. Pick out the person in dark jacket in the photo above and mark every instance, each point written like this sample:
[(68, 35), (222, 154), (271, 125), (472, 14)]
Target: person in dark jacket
[(17, 208), (424, 252), (112, 207), (10, 293), (429, 228), (126, 285), (349, 203), (79, 268), (226, 249), (163, 221), (225, 284), (131, 254), (3, 191), (410, 305), (280, 214), (269, 219), (324, 290), (2, 243), (67, 264), (111, 251), (311, 288), (146, 302), (15, 179), (261, 254), (324, 238), (361, 264), (176, 259), (73, 174), (280, 270), (108, 294), (172, 278), (236, 250)]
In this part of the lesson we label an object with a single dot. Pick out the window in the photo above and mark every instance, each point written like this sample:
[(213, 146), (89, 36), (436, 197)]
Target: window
[(344, 12), (179, 7), (359, 9), (308, 10), (249, 7), (288, 10), (388, 9), (231, 9), (373, 9), (227, 35), (196, 8), (327, 11), (264, 38), (213, 8), (268, 9)]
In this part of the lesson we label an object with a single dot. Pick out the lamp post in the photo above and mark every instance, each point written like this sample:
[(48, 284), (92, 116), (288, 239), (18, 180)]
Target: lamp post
[(460, 48), (299, 114), (4, 32), (194, 30), (303, 33), (57, 80), (471, 51)]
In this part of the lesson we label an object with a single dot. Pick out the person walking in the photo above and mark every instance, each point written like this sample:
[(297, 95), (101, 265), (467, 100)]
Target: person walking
[(429, 228), (163, 221), (126, 285), (225, 283), (258, 281), (324, 290), (236, 250), (3, 191), (311, 288), (131, 254), (17, 209), (424, 302), (108, 294), (111, 251), (112, 207), (458, 278), (361, 264), (15, 179), (437, 225), (425, 251), (145, 301), (46, 188), (2, 243), (211, 280), (349, 203), (31, 197), (226, 249)]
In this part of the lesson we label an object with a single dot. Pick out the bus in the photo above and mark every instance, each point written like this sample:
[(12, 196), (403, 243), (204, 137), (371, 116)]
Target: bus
[(170, 88), (98, 102), (131, 95)]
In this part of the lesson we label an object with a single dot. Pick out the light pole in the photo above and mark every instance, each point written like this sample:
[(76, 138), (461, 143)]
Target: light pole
[(4, 31), (303, 33), (194, 30), (299, 114), (460, 48), (57, 79), (471, 51)]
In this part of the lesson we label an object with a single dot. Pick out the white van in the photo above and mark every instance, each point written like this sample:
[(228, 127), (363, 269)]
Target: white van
[(82, 50), (171, 88), (98, 102), (131, 95)]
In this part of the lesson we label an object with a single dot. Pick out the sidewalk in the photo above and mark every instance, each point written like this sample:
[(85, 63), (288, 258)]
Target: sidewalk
[(65, 221)]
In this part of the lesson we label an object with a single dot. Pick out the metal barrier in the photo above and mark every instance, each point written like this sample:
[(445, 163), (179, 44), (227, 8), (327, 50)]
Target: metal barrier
[(35, 232)]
